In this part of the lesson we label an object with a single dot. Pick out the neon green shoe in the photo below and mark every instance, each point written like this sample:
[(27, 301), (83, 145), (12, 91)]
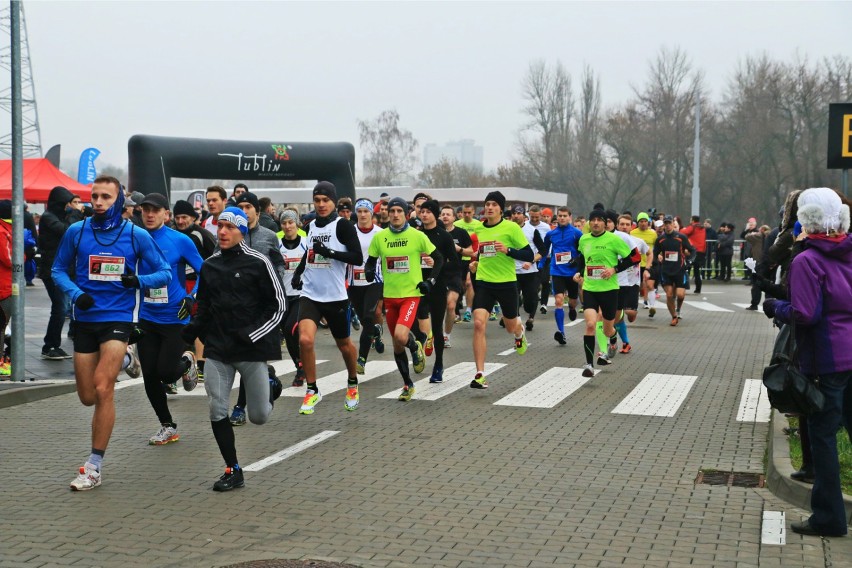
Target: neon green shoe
[(419, 358), (352, 398), (359, 366), (521, 345), (429, 346), (406, 394)]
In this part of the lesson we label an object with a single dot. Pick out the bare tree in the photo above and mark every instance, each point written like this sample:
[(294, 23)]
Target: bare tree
[(452, 173), (388, 149)]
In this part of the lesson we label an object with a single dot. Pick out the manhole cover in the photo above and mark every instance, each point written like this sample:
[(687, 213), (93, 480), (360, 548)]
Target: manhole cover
[(289, 563), (730, 478)]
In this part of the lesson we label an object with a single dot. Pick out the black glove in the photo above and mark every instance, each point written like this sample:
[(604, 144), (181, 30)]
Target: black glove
[(188, 333), (426, 286), (769, 307), (84, 301), (296, 282), (185, 309), (129, 281), (320, 248), (370, 275)]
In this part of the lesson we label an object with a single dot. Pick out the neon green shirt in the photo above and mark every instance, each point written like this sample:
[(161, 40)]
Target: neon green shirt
[(497, 267), (599, 253), (469, 227), (649, 236), (399, 254)]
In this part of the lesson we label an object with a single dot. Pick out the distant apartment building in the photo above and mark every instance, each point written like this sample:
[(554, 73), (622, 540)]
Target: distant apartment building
[(465, 152)]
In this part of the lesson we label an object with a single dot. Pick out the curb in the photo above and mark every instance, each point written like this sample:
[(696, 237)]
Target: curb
[(779, 469), (23, 395)]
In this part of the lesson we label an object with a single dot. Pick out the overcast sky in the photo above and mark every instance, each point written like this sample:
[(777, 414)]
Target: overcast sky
[(287, 71)]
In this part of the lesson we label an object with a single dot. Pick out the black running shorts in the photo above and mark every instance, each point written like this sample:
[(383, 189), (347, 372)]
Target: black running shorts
[(88, 336), (336, 315), (563, 284), (505, 293), (607, 302), (628, 297)]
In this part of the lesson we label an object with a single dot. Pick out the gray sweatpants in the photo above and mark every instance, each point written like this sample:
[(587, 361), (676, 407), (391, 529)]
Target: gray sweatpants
[(219, 380)]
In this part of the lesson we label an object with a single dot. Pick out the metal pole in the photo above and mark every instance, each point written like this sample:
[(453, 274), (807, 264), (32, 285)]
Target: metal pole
[(696, 161), (18, 285)]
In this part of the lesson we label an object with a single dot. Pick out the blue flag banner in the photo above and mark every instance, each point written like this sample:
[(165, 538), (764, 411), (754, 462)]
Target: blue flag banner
[(86, 172)]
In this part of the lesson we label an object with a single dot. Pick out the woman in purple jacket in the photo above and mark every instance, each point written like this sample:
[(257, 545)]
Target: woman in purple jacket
[(820, 284)]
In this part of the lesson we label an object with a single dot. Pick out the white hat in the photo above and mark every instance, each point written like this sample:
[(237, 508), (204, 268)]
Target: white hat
[(658, 223), (821, 211)]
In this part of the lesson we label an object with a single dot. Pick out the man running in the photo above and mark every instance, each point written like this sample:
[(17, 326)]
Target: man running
[(469, 224), (560, 246), (527, 272), (364, 296), (541, 223), (399, 248), (164, 312), (628, 281), (501, 243), (293, 249), (645, 232), (333, 246), (106, 254), (456, 284), (240, 306), (601, 255), (216, 196), (672, 251)]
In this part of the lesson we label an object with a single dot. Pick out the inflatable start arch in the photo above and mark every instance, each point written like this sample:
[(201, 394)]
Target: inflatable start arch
[(154, 160)]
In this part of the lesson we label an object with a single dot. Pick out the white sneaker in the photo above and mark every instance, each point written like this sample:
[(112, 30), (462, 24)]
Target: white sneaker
[(134, 368), (447, 342), (604, 359), (190, 377), (166, 435), (588, 370), (89, 478)]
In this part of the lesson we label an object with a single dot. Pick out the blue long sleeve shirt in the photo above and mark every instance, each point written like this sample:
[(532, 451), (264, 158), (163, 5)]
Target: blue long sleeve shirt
[(99, 259), (560, 246), (161, 305)]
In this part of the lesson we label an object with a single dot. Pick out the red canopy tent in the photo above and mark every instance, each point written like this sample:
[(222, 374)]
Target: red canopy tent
[(40, 176)]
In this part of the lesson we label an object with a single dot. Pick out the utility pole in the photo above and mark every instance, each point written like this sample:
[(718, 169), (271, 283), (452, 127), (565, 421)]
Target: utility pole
[(696, 160), (30, 130), (18, 355)]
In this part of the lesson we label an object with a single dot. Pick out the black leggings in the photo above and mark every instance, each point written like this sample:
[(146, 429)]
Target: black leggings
[(160, 351), (528, 286), (364, 300), (725, 268), (544, 279), (290, 328), (437, 301)]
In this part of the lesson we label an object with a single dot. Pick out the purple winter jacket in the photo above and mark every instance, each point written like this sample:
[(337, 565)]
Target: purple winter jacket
[(820, 283)]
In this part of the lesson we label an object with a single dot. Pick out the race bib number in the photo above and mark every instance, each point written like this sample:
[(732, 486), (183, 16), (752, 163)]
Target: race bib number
[(157, 295), (488, 248), (318, 260), (563, 257), (423, 258), (670, 256), (595, 272), (358, 275), (291, 263), (106, 268), (397, 264)]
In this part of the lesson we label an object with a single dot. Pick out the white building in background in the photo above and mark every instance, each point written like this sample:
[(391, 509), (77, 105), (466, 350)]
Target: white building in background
[(464, 151)]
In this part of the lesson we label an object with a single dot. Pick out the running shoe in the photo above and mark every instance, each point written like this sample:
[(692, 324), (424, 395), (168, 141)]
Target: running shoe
[(406, 394), (560, 338), (231, 479), (88, 478), (479, 381), (588, 370), (493, 315), (275, 389), (360, 364), (166, 435), (134, 368), (418, 358), (447, 344), (429, 346), (55, 354), (190, 376), (352, 398), (625, 348), (652, 311), (170, 388), (521, 345), (437, 375), (356, 323), (543, 310), (238, 416), (502, 323), (200, 374), (5, 369), (309, 402), (645, 305), (611, 350), (673, 322), (678, 314), (572, 314), (299, 379), (603, 359), (458, 318), (529, 325), (466, 317), (377, 339), (323, 324)]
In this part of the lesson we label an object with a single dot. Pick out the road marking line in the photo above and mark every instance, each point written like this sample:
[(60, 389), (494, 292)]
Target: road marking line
[(507, 351), (740, 305), (123, 384), (455, 378), (291, 451), (754, 404), (774, 528), (547, 390), (657, 395), (577, 321), (707, 306), (338, 381)]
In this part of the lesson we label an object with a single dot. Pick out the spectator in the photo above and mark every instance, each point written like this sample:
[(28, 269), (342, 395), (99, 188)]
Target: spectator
[(756, 240), (710, 255), (820, 285), (266, 218), (725, 251), (745, 251)]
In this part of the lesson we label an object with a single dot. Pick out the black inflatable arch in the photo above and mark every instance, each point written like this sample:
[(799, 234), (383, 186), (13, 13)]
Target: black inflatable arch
[(154, 160)]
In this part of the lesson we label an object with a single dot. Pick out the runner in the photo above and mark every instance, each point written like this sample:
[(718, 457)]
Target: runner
[(456, 285), (560, 244), (293, 249), (601, 255), (501, 243), (644, 231), (164, 312), (628, 281), (527, 272), (540, 221), (105, 253), (671, 251), (333, 245), (469, 224), (240, 306), (365, 297), (399, 248), (216, 196)]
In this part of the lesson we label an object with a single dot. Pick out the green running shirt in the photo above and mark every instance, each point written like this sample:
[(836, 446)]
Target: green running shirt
[(399, 254), (497, 267), (599, 253), (469, 227)]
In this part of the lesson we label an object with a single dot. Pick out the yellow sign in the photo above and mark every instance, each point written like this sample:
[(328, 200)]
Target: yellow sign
[(846, 144)]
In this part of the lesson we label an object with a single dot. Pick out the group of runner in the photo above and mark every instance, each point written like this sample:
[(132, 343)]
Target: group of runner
[(215, 308)]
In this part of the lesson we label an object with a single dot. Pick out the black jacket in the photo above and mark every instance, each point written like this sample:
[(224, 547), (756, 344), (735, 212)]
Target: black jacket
[(52, 226), (240, 305)]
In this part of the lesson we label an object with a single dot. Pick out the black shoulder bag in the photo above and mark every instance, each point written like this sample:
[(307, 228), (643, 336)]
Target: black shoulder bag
[(789, 390)]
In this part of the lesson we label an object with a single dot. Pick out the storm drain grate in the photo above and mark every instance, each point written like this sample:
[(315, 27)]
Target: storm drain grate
[(730, 478)]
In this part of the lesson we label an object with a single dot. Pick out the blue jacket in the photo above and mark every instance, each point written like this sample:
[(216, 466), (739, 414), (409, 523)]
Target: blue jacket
[(820, 283), (564, 241), (161, 305), (100, 258)]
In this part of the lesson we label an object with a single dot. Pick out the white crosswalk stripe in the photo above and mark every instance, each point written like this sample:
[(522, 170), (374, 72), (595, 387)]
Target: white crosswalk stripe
[(455, 378), (707, 306), (338, 381), (657, 395), (291, 451), (547, 390), (754, 403)]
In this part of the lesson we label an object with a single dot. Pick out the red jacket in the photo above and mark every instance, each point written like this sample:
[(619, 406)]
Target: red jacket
[(5, 260), (697, 235)]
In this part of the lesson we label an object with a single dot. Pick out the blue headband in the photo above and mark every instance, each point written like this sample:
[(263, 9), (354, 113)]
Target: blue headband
[(235, 217), (363, 203)]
